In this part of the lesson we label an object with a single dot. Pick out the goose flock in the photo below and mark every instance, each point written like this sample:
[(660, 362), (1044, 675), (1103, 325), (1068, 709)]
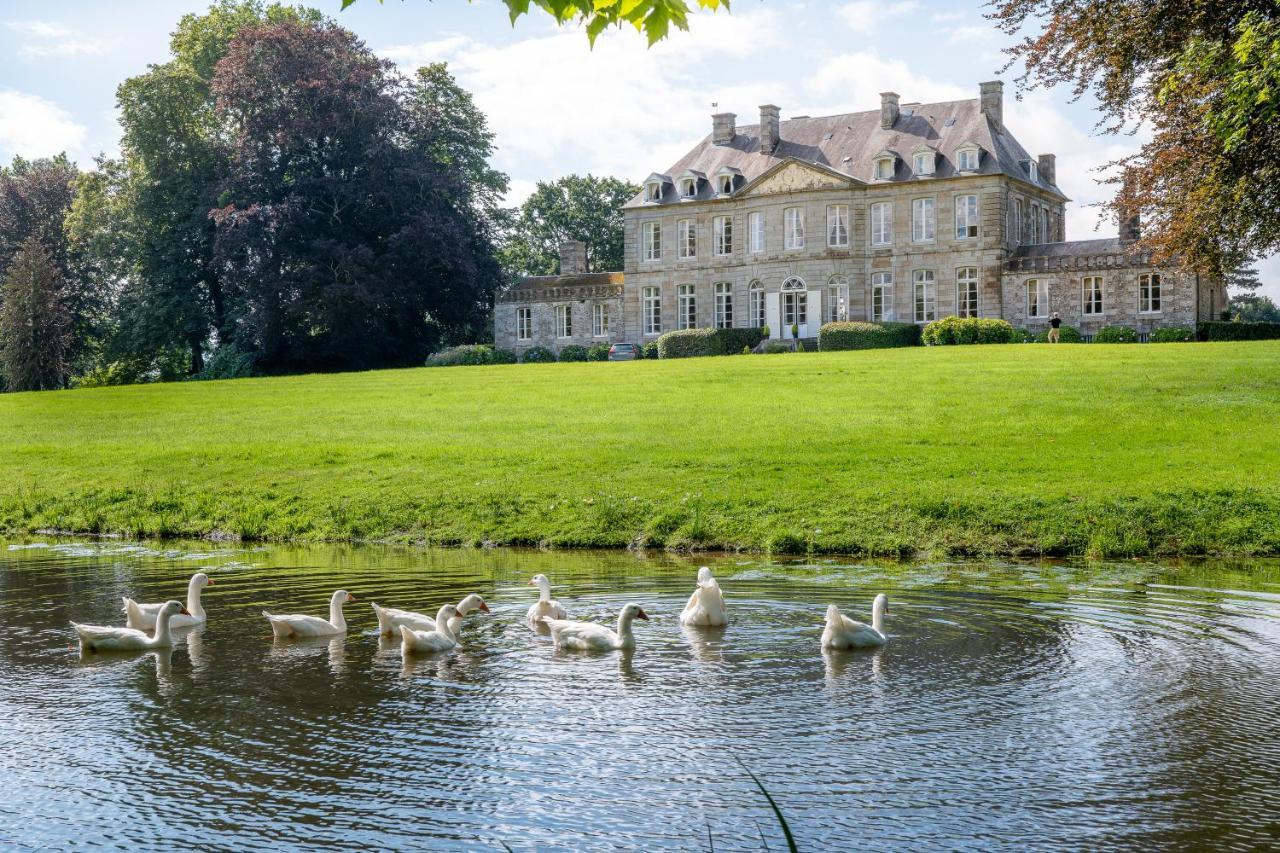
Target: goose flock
[(422, 634)]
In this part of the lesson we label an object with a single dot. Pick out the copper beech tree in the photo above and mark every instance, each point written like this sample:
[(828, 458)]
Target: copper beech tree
[(1204, 78)]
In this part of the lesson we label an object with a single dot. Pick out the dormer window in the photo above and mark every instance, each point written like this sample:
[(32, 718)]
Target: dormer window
[(725, 179), (922, 162), (885, 165), (967, 158), (1033, 171), (688, 187), (726, 184), (653, 191)]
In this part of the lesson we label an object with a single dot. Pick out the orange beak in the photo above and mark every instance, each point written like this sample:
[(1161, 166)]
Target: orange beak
[(642, 615), (350, 598), (210, 583), (484, 608), (185, 612), (531, 583)]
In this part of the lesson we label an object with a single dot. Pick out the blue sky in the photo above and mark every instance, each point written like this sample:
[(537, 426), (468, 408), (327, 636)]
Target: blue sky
[(558, 107)]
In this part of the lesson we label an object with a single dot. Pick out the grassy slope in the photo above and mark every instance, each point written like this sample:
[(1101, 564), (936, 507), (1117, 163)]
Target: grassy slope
[(1107, 450)]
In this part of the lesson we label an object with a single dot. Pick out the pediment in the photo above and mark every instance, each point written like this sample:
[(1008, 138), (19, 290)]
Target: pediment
[(795, 176)]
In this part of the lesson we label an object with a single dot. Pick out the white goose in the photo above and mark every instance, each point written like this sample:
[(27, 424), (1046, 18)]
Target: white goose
[(295, 627), (706, 605), (390, 620), (841, 632), (544, 607), (589, 636), (440, 640), (102, 638), (143, 616)]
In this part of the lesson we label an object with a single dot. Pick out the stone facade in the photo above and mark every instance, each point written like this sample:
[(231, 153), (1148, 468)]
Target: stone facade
[(909, 213)]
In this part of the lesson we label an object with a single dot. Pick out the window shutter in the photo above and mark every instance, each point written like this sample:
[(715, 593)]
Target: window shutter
[(773, 314)]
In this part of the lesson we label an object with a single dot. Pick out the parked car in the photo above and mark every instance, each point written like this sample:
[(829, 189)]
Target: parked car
[(624, 352)]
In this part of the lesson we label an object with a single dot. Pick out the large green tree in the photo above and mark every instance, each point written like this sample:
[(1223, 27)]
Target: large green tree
[(35, 325), (575, 207)]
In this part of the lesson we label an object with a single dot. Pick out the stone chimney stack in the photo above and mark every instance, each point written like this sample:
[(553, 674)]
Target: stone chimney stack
[(1130, 215), (573, 257), (1048, 166), (723, 128), (888, 109), (992, 100), (769, 137)]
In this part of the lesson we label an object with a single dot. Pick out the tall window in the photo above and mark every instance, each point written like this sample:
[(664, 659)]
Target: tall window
[(599, 320), (926, 295), (1149, 293), (652, 311), (923, 219), (1035, 224), (967, 292), (1044, 226), (1015, 226), (564, 321), (881, 296), (793, 219), (722, 226), (795, 304), (651, 243), (755, 225), (724, 305), (686, 239), (1092, 286), (968, 160), (756, 306), (966, 217), (837, 299), (1033, 171), (882, 223), (686, 307), (1037, 298), (838, 225), (524, 324)]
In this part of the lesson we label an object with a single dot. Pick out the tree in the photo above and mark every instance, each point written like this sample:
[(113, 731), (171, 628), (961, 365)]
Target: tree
[(1254, 308), (1205, 76), (35, 326), (35, 196), (1243, 277), (654, 18), (342, 241), (572, 208)]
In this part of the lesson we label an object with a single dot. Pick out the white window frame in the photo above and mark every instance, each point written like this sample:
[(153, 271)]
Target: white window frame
[(884, 168), (564, 322), (686, 306), (1091, 286), (1033, 171), (838, 226), (524, 324), (880, 306), (922, 163), (924, 228), (1035, 225), (1040, 288), (724, 304), (795, 304), (837, 299), (688, 187), (653, 191), (882, 223), (968, 296), (793, 228), (967, 160), (726, 185), (1045, 237), (1015, 211), (755, 307), (722, 240), (1150, 293), (924, 293), (967, 217), (755, 225), (651, 302), (686, 239), (599, 320), (651, 240)]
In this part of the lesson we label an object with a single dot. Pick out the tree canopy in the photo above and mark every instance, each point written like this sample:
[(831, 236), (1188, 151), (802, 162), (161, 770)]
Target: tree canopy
[(575, 207), (35, 326)]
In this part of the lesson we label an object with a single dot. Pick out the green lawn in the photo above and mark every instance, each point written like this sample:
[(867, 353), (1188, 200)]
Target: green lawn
[(1100, 450)]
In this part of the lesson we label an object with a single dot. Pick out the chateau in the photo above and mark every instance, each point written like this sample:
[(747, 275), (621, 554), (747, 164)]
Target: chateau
[(911, 213)]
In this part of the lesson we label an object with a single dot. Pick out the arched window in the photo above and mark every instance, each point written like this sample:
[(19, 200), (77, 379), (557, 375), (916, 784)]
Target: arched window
[(795, 303), (838, 299), (756, 292)]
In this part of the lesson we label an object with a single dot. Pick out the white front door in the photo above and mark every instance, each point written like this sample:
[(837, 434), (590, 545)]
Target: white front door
[(773, 315), (810, 329)]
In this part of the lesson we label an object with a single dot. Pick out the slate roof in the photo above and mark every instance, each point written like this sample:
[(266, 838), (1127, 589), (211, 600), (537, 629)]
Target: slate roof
[(1071, 248), (848, 144)]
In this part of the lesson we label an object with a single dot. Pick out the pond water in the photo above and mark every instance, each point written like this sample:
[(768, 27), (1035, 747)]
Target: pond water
[(1015, 706)]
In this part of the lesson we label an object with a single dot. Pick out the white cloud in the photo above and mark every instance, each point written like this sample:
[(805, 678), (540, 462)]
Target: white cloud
[(972, 34), (945, 17), (863, 16), (853, 83), (30, 126), (48, 38)]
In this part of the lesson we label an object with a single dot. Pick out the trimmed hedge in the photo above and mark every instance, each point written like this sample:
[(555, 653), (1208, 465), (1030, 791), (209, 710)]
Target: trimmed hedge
[(1068, 335), (504, 356), (855, 335), (1220, 330), (599, 352), (537, 355), (1173, 335), (1115, 335), (735, 339), (691, 343), (649, 350), (466, 354), (967, 330), (573, 352)]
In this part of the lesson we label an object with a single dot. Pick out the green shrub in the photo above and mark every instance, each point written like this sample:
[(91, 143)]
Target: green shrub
[(599, 352), (1173, 335), (1067, 335), (737, 340), (855, 335), (649, 350), (573, 352), (466, 354), (1021, 336), (799, 346), (795, 331), (775, 347), (227, 362), (1115, 335), (967, 330), (689, 343), (504, 356), (537, 355), (746, 350), (1226, 331)]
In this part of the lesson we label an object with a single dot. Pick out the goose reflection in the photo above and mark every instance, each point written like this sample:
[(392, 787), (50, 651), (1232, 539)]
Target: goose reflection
[(453, 665), (706, 643), (197, 652), (839, 661), (312, 646)]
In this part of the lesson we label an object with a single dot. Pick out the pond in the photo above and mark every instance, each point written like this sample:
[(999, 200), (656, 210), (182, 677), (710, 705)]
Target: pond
[(1015, 705)]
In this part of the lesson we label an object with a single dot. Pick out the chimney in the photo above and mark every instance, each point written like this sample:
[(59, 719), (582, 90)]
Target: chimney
[(993, 103), (1130, 215), (888, 109), (573, 257), (722, 128), (768, 128), (1048, 167)]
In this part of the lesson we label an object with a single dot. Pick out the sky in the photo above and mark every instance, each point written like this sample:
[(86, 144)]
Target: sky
[(558, 107)]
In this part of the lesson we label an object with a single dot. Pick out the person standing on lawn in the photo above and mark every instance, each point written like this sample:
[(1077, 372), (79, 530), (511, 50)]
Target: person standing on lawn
[(1055, 328)]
